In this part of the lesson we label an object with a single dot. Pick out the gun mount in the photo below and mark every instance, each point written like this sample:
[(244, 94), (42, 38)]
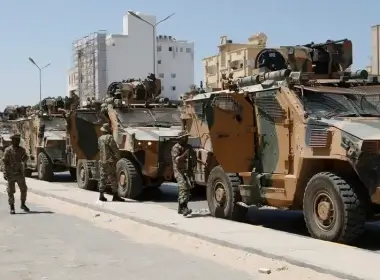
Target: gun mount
[(324, 60), (132, 91)]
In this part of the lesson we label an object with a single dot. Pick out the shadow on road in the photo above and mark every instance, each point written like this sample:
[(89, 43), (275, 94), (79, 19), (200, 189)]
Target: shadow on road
[(293, 223), (282, 220), (35, 212), (169, 193)]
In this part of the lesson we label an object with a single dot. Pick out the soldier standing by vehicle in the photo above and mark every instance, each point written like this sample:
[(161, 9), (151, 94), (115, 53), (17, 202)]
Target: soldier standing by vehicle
[(180, 155), (14, 160), (109, 155)]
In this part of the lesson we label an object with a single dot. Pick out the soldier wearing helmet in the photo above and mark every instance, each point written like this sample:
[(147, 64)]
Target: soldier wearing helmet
[(183, 166), (14, 161), (109, 155)]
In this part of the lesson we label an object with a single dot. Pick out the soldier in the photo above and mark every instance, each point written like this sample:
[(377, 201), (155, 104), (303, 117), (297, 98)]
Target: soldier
[(109, 155), (180, 156), (14, 161)]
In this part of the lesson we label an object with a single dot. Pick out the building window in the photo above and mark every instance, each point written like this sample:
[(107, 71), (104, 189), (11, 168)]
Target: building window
[(174, 75), (162, 87), (173, 88), (181, 49), (188, 50), (170, 49), (161, 75), (176, 49), (159, 61), (159, 48)]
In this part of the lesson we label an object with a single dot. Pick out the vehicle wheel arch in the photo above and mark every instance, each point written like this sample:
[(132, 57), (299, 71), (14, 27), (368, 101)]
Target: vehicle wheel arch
[(310, 167)]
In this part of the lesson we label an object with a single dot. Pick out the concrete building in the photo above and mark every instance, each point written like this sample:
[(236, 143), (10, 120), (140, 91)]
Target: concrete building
[(130, 55), (175, 65), (100, 59), (89, 73), (375, 50), (233, 57)]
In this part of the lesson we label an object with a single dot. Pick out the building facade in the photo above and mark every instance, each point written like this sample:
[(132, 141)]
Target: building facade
[(175, 66), (100, 59), (236, 58), (89, 73)]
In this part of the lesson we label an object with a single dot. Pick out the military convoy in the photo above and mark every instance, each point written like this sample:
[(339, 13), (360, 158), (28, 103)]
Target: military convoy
[(145, 128), (302, 133), (44, 138)]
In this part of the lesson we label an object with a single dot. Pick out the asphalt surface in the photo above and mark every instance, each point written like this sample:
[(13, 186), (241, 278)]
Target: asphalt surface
[(291, 222), (47, 245)]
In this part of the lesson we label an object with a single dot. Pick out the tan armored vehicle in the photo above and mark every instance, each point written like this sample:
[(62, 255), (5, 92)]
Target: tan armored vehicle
[(44, 135), (301, 134), (145, 128)]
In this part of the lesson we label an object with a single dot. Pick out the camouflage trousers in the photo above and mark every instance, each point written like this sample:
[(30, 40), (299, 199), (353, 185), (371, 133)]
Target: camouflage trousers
[(108, 177), (184, 189), (11, 189)]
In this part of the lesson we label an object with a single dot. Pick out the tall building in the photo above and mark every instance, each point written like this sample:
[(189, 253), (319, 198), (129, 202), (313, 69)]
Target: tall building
[(89, 73), (238, 58), (175, 65), (375, 50), (100, 59)]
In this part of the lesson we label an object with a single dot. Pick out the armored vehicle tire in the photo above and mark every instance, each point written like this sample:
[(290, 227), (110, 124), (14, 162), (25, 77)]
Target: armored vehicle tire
[(332, 209), (44, 168), (83, 176), (222, 195), (130, 183)]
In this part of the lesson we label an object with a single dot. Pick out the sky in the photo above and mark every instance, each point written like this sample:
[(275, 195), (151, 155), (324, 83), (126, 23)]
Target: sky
[(45, 29)]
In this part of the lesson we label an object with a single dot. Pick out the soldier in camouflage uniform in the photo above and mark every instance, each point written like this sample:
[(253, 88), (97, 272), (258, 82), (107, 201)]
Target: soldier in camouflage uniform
[(14, 161), (109, 155), (180, 153)]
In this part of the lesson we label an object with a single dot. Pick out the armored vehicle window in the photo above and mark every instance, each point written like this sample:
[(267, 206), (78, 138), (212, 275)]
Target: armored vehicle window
[(322, 104), (152, 117), (268, 105), (226, 103), (54, 123), (92, 117)]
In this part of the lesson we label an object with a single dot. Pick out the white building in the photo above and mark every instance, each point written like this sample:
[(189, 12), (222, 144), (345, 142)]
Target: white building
[(101, 59), (175, 65)]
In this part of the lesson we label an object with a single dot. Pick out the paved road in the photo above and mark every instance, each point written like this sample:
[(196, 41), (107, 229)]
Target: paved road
[(48, 245), (288, 221)]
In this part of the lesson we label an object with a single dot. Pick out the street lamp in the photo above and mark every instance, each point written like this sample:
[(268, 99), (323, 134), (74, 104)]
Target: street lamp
[(40, 76), (154, 34)]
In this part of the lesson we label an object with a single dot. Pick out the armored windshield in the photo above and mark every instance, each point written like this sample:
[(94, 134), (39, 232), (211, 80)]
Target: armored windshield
[(326, 104), (163, 117), (54, 123)]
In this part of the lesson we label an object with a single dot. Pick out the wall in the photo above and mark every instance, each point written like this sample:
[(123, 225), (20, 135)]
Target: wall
[(175, 66), (130, 55)]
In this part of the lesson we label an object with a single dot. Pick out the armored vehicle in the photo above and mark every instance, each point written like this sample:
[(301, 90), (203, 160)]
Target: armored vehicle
[(303, 133), (144, 126), (44, 135)]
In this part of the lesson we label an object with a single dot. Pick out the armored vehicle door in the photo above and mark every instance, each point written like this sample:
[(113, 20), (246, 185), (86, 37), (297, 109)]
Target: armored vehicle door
[(274, 130), (84, 130), (231, 124)]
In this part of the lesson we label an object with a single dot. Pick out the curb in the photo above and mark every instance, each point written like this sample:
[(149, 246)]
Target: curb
[(231, 245)]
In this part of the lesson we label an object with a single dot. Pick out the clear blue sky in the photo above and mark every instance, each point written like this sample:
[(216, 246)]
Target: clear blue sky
[(45, 29)]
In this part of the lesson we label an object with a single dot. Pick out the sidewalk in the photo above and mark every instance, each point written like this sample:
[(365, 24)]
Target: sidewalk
[(339, 260)]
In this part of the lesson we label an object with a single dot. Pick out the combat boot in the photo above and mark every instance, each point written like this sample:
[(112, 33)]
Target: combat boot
[(102, 197), (186, 211), (180, 208), (24, 207), (117, 198), (12, 209)]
